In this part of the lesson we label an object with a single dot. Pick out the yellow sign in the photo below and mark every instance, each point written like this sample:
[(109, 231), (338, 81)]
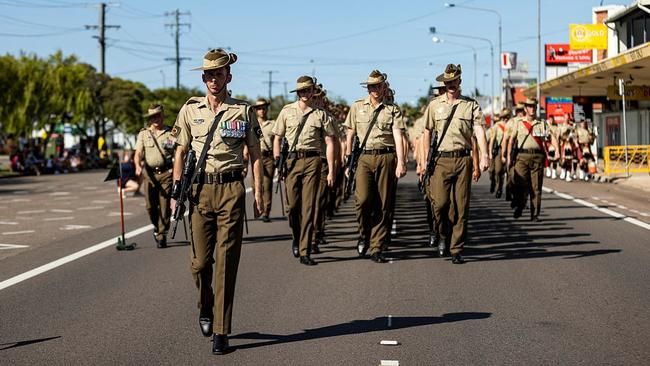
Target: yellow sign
[(588, 36), (632, 92)]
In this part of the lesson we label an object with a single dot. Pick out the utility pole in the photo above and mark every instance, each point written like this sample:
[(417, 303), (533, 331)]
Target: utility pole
[(176, 33), (286, 95), (270, 82), (102, 36)]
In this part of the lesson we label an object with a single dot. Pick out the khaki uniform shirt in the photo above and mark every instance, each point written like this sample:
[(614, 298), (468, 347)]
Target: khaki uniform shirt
[(149, 151), (418, 128), (554, 130), (381, 135), (266, 142), (524, 141), (235, 129), (459, 134), (584, 136), (318, 125), (497, 131)]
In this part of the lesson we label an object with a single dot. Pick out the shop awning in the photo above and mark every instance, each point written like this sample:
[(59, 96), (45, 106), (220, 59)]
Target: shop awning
[(594, 79)]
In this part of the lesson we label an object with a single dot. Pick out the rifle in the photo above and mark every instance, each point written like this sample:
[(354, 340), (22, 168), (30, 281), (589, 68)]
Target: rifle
[(513, 153), (431, 160), (185, 191), (351, 165), (496, 150), (281, 163)]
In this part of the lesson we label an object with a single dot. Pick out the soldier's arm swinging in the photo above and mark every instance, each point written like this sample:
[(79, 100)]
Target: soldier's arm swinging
[(479, 132), (329, 152), (491, 143), (258, 173), (277, 140), (400, 171), (348, 146), (510, 143)]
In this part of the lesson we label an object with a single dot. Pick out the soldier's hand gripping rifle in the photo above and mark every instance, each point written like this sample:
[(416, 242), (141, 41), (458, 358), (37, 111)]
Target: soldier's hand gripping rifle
[(514, 151), (351, 165), (431, 161), (183, 190)]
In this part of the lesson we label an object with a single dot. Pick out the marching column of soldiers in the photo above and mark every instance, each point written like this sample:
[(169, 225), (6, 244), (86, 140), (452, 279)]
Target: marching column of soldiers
[(317, 154)]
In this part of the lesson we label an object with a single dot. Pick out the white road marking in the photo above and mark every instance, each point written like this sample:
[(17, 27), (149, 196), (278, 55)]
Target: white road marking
[(88, 208), (100, 201), (18, 232), (20, 200), (644, 214), (89, 188), (69, 258), (21, 192), (596, 198), (8, 223), (60, 194), (58, 218), (29, 212), (389, 343), (621, 207), (61, 198), (118, 214), (389, 363), (12, 246), (60, 210), (75, 227), (635, 211), (604, 210)]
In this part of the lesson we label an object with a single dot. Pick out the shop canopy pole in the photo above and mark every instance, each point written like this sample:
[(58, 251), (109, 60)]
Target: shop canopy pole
[(621, 91)]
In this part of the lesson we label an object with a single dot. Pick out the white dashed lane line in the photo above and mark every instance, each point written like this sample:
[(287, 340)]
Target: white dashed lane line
[(607, 211), (75, 227), (8, 223), (58, 218), (60, 194), (18, 232), (29, 212), (60, 211), (88, 208), (12, 246)]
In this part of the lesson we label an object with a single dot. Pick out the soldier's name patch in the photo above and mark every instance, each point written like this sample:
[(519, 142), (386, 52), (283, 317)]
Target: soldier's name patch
[(198, 121), (175, 131)]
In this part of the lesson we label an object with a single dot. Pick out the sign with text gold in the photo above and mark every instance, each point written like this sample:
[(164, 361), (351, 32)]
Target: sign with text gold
[(632, 92), (588, 36)]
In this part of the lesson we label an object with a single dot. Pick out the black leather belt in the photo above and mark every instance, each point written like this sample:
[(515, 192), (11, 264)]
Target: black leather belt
[(303, 154), (267, 154), (386, 150), (220, 178), (454, 154), (162, 169), (531, 151)]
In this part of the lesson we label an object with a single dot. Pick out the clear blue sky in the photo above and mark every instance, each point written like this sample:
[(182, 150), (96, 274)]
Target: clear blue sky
[(341, 41)]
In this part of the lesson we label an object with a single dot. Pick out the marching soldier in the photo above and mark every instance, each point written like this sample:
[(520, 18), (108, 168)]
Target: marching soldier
[(553, 155), (217, 127), (495, 150), (519, 113), (490, 137), (455, 118), (318, 101), (585, 138), (261, 108), (154, 149), (529, 134), (305, 126), (379, 126)]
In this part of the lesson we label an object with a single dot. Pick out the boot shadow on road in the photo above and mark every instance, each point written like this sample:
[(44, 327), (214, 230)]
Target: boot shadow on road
[(355, 327)]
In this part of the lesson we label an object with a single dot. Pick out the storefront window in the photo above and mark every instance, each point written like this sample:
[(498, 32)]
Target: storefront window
[(637, 31)]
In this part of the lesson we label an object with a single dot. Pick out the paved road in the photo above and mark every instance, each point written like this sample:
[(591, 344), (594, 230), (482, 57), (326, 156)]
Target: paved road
[(572, 289)]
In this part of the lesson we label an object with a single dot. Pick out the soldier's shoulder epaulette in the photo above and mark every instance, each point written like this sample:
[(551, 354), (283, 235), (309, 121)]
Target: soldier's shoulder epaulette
[(143, 129), (360, 100), (239, 101), (193, 100)]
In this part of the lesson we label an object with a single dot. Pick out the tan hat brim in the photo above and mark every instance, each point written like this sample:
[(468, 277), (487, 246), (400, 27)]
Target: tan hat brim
[(147, 115), (301, 88), (372, 82), (441, 78)]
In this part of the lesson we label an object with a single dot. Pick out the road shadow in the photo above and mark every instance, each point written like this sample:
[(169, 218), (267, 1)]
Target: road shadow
[(355, 327), (25, 343)]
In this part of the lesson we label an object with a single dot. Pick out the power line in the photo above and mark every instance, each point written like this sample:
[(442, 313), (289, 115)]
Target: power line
[(21, 35), (176, 27), (27, 4), (26, 22)]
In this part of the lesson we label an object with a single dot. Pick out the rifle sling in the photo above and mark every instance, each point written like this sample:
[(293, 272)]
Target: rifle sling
[(375, 115), (446, 127), (206, 146), (303, 122)]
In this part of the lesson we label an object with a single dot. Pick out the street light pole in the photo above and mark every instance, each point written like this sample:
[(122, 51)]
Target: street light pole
[(438, 40), (451, 5)]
